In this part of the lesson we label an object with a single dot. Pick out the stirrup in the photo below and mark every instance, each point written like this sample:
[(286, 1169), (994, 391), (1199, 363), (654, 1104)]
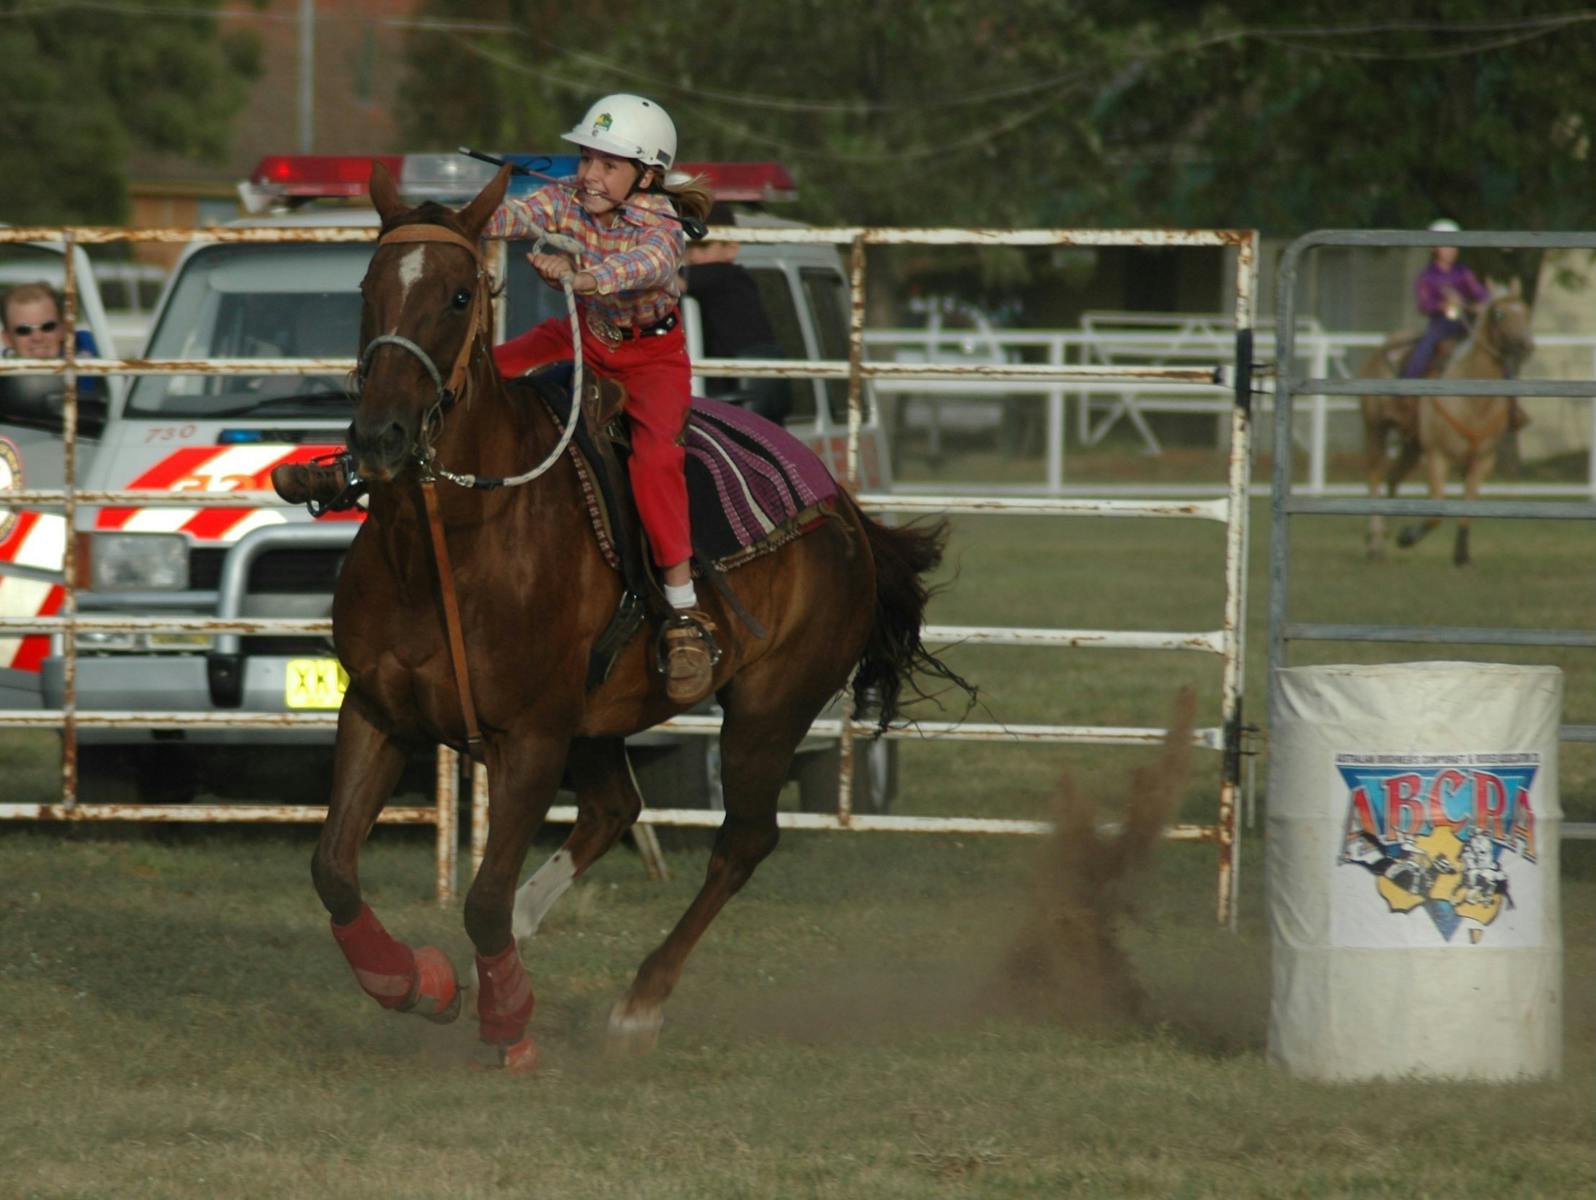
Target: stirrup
[(686, 654), (325, 484)]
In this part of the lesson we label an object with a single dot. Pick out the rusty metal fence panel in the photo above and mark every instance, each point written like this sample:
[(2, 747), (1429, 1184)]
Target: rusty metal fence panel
[(1225, 736)]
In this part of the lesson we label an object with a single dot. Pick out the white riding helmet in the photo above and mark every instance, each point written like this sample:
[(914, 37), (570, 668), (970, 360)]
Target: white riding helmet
[(1445, 225), (630, 126)]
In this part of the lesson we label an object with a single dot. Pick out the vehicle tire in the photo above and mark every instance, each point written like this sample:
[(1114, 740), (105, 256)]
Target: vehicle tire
[(875, 777)]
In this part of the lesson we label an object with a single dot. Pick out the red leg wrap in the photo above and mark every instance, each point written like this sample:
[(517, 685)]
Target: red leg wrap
[(384, 966), (504, 1003), (437, 994)]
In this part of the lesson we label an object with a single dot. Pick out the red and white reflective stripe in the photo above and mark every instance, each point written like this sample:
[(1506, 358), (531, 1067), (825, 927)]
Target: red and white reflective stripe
[(245, 467), (37, 540)]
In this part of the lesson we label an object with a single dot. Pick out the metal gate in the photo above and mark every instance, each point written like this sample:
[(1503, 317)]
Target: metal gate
[(1224, 638), (1287, 503)]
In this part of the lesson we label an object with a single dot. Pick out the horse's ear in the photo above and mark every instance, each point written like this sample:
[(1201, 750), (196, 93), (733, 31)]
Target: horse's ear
[(384, 192), (475, 215)]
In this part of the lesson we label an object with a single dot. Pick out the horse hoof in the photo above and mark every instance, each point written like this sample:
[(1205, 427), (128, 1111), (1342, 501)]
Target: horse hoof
[(518, 1058), (1406, 538), (634, 1031), (438, 994)]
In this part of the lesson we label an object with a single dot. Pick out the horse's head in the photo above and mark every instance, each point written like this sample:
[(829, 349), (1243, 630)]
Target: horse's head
[(1505, 328), (427, 315)]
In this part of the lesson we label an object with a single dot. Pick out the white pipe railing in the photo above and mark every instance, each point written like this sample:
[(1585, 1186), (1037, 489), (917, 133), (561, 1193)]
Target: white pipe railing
[(1149, 342)]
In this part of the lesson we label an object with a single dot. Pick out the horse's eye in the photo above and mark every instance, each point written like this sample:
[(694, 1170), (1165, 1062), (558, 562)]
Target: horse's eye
[(462, 297)]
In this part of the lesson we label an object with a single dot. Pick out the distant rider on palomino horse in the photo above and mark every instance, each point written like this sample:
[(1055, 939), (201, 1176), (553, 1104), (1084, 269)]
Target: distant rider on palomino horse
[(1448, 295)]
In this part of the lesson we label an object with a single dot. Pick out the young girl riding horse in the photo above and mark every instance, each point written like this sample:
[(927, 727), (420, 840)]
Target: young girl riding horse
[(624, 213), (1443, 292), (622, 210)]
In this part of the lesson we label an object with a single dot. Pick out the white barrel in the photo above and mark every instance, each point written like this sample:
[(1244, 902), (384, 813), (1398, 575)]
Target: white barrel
[(1413, 830)]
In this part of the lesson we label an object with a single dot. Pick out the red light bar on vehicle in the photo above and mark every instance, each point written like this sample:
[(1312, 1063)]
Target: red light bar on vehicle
[(338, 176), (320, 174), (750, 182)]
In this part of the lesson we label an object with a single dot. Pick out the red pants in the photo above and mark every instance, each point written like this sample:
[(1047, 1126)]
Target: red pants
[(658, 382)]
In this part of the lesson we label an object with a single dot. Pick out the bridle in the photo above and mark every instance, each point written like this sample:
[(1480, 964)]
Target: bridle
[(450, 390), (1487, 338), (453, 388)]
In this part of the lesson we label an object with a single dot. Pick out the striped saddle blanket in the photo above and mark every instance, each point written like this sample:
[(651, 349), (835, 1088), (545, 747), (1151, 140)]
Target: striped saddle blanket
[(751, 485)]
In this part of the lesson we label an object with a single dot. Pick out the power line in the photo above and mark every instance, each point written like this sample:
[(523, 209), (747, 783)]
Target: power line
[(914, 154), (787, 104), (1306, 39), (131, 8), (1291, 43)]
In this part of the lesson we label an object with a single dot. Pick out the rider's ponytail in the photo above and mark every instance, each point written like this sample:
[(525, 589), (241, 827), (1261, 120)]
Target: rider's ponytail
[(690, 195)]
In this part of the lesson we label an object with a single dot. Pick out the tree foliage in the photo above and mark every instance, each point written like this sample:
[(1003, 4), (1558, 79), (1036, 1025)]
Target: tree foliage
[(85, 85), (1280, 115)]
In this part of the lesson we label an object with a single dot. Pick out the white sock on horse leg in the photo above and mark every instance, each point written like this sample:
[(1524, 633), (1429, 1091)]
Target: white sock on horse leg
[(681, 595)]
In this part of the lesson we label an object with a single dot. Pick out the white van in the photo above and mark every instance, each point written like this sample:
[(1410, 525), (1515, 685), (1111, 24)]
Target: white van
[(215, 432)]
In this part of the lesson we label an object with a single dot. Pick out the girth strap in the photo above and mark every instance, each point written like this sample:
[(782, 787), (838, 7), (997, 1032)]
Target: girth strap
[(451, 622)]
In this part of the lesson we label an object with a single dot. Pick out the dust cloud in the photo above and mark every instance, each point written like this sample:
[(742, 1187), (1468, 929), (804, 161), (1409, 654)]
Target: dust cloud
[(1051, 952)]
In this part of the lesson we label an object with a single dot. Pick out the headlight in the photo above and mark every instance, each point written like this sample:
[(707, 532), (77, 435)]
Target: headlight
[(136, 562)]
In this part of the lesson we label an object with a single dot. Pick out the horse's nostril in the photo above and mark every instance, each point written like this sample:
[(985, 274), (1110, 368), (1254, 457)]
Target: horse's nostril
[(380, 446), (392, 441)]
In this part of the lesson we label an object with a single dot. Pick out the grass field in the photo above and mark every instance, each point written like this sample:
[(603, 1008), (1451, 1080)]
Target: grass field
[(182, 1026)]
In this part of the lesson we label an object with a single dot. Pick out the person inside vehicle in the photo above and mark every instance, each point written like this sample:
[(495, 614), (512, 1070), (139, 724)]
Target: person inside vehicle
[(33, 324), (1445, 292), (622, 208), (33, 328), (735, 325)]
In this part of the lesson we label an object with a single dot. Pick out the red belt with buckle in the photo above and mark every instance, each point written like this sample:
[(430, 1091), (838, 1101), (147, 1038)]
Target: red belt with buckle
[(610, 332)]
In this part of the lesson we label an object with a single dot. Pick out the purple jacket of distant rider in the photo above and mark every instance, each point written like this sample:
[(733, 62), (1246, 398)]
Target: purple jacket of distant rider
[(1433, 282)]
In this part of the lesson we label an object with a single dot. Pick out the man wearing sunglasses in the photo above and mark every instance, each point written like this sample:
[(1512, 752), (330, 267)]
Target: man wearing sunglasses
[(33, 325), (33, 328)]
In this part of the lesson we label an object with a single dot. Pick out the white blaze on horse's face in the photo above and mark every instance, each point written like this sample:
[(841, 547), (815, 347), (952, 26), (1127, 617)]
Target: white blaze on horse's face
[(410, 268)]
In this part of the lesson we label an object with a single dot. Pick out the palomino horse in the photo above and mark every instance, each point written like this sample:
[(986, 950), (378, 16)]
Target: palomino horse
[(1446, 430), (533, 592)]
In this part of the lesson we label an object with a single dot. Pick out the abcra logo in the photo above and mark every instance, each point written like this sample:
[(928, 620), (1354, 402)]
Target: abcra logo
[(1440, 832)]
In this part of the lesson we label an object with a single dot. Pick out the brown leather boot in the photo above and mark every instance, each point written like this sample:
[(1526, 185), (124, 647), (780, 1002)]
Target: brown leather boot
[(318, 483), (688, 655)]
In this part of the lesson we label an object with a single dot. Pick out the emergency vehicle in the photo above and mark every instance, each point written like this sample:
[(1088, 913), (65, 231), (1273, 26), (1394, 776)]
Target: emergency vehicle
[(225, 432)]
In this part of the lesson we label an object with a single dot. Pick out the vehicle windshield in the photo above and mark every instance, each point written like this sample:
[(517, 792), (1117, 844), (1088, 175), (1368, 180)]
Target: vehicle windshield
[(268, 301)]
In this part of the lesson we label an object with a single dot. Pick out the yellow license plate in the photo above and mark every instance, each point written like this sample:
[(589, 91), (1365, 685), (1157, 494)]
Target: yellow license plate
[(314, 683)]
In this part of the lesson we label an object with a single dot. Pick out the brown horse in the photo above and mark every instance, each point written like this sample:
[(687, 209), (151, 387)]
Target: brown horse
[(534, 592), (1445, 431)]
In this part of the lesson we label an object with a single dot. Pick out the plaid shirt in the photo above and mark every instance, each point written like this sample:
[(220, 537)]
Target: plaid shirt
[(635, 261)]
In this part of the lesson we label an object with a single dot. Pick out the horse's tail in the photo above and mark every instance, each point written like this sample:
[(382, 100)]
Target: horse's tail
[(904, 556)]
